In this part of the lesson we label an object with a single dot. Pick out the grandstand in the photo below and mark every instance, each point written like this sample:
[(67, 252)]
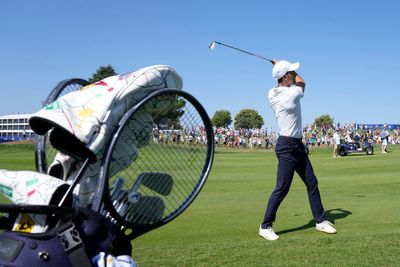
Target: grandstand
[(377, 126), (15, 128)]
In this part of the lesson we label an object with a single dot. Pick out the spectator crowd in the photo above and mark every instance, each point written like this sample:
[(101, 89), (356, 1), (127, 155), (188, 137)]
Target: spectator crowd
[(262, 138), (312, 136), (323, 136)]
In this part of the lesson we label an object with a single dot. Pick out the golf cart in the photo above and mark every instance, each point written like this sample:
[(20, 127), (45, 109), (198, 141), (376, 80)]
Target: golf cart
[(355, 147)]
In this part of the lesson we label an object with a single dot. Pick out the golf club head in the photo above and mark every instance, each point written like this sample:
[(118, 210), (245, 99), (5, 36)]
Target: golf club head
[(148, 208), (132, 205), (212, 45), (157, 181), (116, 187)]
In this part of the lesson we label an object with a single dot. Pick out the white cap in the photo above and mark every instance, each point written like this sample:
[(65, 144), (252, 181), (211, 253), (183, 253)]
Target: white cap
[(282, 67)]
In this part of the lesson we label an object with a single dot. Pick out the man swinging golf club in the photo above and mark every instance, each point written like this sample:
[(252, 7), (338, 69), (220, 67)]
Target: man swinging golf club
[(285, 102)]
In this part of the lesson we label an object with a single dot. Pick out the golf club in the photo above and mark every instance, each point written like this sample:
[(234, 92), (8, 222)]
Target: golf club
[(213, 44)]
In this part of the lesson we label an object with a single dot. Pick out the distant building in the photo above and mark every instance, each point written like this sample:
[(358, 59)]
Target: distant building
[(15, 127)]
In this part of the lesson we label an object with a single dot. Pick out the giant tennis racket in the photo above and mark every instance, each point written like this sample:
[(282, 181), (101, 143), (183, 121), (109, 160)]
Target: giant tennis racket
[(44, 152), (156, 162)]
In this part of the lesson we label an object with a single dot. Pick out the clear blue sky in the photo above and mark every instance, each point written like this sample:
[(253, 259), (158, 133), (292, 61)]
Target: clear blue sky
[(348, 50)]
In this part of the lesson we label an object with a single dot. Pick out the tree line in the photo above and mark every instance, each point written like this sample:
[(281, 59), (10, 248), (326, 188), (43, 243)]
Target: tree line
[(251, 119)]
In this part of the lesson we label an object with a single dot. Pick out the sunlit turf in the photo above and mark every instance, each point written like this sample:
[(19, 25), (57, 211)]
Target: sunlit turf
[(360, 194)]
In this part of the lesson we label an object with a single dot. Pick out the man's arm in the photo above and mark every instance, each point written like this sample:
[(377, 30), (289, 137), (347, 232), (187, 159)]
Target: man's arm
[(299, 81)]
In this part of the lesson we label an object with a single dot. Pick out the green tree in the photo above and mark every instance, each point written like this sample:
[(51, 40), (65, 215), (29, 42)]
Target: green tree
[(323, 120), (222, 118), (101, 73), (167, 111), (248, 119)]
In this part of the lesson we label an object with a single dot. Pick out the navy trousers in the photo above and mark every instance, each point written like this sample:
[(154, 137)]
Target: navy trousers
[(292, 157)]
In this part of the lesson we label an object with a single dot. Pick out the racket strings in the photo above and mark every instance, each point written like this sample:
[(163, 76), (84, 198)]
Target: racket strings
[(178, 150)]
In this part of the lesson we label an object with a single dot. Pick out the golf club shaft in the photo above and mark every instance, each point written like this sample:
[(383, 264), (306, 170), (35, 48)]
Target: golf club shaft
[(244, 51)]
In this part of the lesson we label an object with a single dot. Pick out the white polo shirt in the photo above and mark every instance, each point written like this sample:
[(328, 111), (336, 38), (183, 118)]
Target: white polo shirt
[(285, 101)]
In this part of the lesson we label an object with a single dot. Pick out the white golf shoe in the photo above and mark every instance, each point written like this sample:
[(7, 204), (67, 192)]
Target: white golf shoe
[(326, 227), (268, 233)]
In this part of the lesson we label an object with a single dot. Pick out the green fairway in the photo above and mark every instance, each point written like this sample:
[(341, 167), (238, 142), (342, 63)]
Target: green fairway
[(17, 156), (360, 194)]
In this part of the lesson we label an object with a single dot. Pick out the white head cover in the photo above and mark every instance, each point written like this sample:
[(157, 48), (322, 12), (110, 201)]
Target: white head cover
[(282, 67), (83, 120), (31, 188)]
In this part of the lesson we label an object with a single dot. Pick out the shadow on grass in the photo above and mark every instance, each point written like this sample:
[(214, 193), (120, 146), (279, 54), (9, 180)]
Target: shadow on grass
[(332, 215)]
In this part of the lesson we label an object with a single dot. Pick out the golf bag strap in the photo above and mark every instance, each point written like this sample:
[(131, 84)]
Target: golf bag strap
[(74, 247)]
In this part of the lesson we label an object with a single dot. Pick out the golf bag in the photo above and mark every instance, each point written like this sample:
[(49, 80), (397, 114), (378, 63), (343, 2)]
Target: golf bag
[(79, 237), (52, 221), (114, 160)]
